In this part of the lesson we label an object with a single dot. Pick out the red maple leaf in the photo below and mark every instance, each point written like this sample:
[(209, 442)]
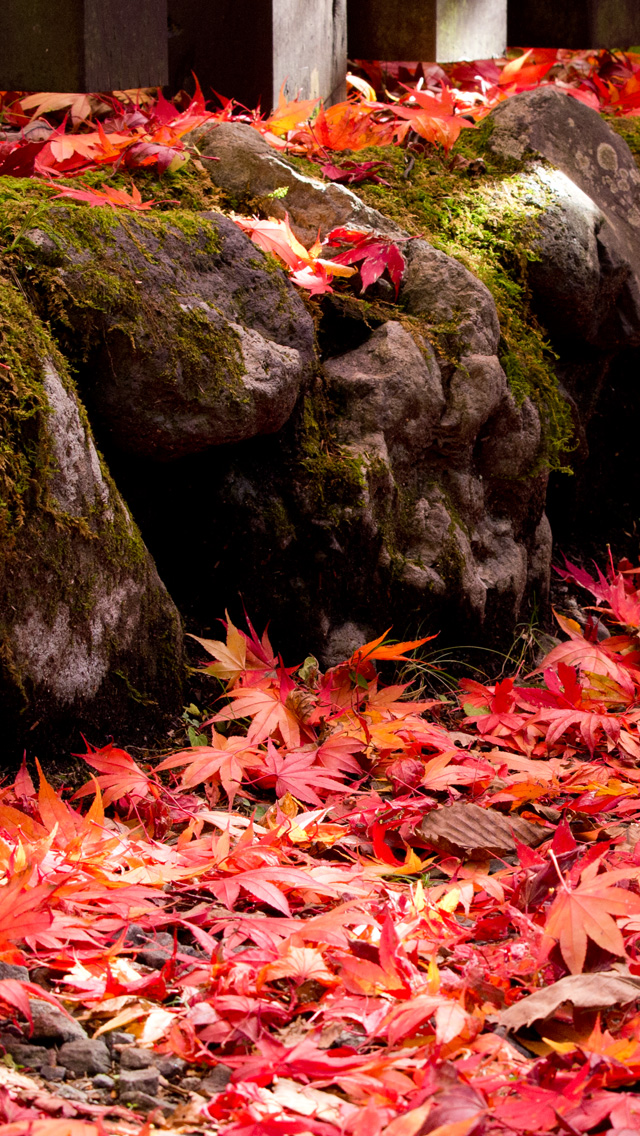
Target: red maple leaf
[(120, 776), (375, 255), (298, 774)]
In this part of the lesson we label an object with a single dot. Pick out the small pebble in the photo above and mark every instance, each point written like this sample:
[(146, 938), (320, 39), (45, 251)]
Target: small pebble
[(146, 1102), (135, 1058), (103, 1081), (138, 1081), (71, 1093), (190, 1084), (85, 1057), (32, 1056), (52, 1024), (216, 1079), (168, 1065), (52, 1072), (118, 1037), (9, 970)]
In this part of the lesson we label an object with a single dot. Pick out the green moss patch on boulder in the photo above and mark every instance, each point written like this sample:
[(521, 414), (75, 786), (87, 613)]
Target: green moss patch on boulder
[(179, 340)]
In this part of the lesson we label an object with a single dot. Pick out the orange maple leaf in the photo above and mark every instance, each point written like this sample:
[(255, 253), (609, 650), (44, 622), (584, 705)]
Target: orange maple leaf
[(587, 912), (120, 776)]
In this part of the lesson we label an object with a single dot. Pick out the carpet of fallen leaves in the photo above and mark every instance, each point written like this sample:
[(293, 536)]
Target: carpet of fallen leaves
[(390, 916)]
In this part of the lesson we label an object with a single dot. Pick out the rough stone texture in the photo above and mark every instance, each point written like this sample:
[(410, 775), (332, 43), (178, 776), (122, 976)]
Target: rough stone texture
[(168, 1065), (138, 1081), (248, 166), (50, 1024), (103, 1081), (587, 279), (85, 1058), (439, 287), (400, 498), (391, 393), (88, 632), (136, 1058), (198, 342), (10, 970), (216, 1079), (585, 287), (52, 1072), (147, 1103), (32, 1056)]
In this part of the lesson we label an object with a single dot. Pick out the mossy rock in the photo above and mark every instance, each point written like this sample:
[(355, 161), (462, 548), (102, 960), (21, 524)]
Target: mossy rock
[(182, 335), (91, 641)]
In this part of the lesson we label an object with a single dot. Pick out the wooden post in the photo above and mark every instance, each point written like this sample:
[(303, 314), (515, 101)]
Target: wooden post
[(246, 49), (82, 45), (443, 30), (574, 24)]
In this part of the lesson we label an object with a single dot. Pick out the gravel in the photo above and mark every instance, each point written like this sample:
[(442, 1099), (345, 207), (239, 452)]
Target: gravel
[(85, 1058), (138, 1081)]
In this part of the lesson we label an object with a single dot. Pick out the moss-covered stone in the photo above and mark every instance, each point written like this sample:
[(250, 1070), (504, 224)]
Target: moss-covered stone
[(179, 340), (80, 600), (480, 209)]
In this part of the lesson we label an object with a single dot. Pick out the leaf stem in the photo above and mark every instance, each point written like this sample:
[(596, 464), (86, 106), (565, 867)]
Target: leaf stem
[(557, 867)]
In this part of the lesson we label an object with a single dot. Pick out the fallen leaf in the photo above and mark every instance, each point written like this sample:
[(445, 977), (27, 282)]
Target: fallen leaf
[(468, 829)]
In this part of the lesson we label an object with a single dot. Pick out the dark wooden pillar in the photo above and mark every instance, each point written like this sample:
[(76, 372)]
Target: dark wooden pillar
[(444, 30), (82, 45), (246, 49), (574, 23)]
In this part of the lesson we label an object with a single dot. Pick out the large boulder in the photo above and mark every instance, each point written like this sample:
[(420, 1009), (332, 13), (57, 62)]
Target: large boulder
[(190, 337), (586, 279), (90, 638)]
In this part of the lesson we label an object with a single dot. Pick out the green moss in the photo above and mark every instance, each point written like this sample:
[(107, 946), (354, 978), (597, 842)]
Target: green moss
[(629, 129), (450, 564), (334, 478), (278, 522), (109, 252), (25, 458)]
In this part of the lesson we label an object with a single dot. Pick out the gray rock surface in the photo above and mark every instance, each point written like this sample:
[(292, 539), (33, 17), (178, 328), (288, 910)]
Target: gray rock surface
[(248, 166), (33, 1056), (216, 1079), (10, 970), (586, 280), (138, 1081), (145, 1102), (55, 1073), (85, 1058), (103, 1081), (135, 1058), (50, 1024), (90, 624), (440, 288), (391, 394), (168, 1065)]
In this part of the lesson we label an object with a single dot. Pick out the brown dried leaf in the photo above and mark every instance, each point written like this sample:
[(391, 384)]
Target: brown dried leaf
[(469, 830), (588, 991)]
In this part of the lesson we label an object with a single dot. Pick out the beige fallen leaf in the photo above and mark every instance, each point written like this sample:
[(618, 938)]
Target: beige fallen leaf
[(11, 1079), (588, 991), (470, 830), (307, 1101)]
